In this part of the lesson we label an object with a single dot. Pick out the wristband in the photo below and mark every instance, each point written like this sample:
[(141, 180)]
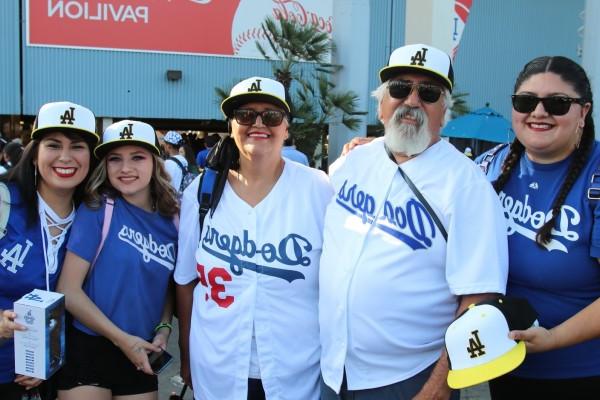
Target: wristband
[(164, 325)]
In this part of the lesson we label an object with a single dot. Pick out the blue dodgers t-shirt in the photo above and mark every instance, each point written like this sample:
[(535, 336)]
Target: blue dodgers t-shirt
[(129, 281), (22, 269), (564, 277)]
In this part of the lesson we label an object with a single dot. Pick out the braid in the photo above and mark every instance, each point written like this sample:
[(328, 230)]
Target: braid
[(580, 158), (513, 157)]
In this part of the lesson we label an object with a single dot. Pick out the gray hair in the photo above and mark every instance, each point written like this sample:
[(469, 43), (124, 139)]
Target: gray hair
[(380, 93)]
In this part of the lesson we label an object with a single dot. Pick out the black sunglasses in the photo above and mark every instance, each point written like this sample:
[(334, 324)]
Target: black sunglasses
[(248, 117), (402, 89), (554, 105)]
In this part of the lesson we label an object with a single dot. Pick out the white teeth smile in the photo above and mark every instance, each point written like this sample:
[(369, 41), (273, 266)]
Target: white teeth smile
[(260, 135), (65, 171), (540, 126)]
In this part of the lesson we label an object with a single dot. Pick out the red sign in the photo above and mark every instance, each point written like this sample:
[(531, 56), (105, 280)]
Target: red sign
[(220, 27)]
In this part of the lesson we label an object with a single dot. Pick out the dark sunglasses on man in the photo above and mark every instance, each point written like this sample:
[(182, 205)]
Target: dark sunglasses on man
[(271, 118), (554, 105), (428, 93)]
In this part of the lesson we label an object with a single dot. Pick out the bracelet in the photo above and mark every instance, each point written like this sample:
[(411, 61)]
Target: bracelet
[(164, 325)]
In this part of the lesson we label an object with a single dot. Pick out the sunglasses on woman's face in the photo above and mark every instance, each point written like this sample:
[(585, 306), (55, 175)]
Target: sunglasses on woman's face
[(268, 117), (402, 89), (554, 105)]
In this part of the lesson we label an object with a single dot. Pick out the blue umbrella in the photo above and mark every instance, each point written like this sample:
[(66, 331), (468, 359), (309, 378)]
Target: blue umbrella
[(482, 124)]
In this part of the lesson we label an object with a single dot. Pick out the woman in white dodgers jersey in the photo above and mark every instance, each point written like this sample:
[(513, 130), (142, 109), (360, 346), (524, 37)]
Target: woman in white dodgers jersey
[(118, 270), (252, 270), (38, 199)]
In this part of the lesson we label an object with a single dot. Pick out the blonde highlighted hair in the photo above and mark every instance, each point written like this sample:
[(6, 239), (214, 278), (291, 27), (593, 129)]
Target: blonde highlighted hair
[(164, 196)]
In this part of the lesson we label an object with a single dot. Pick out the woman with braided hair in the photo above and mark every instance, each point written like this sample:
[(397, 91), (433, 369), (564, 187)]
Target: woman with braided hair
[(542, 179)]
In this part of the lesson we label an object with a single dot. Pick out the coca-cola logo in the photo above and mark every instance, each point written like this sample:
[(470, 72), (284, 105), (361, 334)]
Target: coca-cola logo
[(294, 11)]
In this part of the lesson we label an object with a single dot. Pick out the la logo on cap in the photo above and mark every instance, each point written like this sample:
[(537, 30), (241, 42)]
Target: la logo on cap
[(477, 342), (127, 132), (255, 86), (419, 57), (68, 117)]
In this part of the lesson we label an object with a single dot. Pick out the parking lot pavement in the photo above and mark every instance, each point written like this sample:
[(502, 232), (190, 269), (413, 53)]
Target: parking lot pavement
[(169, 381)]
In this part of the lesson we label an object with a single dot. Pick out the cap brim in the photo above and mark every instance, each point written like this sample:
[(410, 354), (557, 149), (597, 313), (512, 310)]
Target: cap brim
[(389, 72), (87, 135), (458, 379), (233, 102), (101, 150)]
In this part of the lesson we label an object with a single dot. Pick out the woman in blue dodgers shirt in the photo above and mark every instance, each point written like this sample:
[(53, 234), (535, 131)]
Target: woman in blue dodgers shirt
[(120, 297), (554, 230), (44, 188), (253, 269)]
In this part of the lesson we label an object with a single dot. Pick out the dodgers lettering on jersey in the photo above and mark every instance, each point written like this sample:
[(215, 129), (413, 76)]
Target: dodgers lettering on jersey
[(238, 253), (410, 223), (292, 250), (523, 220), (163, 254)]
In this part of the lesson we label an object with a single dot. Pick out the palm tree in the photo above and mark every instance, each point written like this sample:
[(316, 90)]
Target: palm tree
[(316, 102)]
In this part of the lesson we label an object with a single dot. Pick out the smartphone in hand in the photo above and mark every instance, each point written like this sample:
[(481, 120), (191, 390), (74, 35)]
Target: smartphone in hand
[(159, 361)]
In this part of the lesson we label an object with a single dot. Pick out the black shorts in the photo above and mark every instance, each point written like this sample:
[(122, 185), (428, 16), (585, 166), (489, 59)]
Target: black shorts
[(96, 361)]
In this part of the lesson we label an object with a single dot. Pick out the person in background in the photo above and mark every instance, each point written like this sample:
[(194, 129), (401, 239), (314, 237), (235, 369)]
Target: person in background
[(290, 152), (404, 249), (209, 142), (117, 274), (175, 164), (247, 279), (38, 196), (11, 154), (468, 152), (547, 182), (187, 152)]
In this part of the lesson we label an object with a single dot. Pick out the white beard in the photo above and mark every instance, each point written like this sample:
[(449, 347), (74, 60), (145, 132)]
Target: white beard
[(407, 139)]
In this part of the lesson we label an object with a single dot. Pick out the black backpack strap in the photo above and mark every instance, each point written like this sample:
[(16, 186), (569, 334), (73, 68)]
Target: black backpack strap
[(183, 169), (206, 187), (485, 162), (593, 192), (220, 159), (420, 196)]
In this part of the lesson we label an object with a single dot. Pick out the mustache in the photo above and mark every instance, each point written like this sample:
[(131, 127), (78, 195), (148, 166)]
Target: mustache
[(412, 112)]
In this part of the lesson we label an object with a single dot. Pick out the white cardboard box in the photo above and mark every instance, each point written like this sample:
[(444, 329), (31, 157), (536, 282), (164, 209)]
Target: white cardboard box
[(40, 350)]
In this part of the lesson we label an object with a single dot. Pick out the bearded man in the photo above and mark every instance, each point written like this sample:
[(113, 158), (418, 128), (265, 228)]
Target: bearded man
[(413, 236)]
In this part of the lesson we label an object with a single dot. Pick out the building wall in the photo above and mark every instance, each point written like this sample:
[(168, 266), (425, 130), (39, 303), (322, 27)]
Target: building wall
[(9, 57), (501, 36), (132, 84), (387, 19)]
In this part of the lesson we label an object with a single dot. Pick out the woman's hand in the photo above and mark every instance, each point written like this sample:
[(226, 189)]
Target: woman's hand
[(28, 381), (357, 141), (162, 338), (536, 339), (136, 350), (8, 324)]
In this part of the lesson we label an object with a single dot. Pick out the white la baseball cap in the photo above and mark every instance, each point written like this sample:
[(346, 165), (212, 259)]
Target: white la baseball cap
[(64, 116), (477, 342), (128, 132), (421, 58), (255, 89)]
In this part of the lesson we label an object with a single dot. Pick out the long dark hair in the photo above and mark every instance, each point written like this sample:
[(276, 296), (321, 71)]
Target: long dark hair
[(574, 74), (23, 175)]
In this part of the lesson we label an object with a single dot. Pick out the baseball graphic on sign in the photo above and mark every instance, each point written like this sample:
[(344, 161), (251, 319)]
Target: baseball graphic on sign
[(246, 28)]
